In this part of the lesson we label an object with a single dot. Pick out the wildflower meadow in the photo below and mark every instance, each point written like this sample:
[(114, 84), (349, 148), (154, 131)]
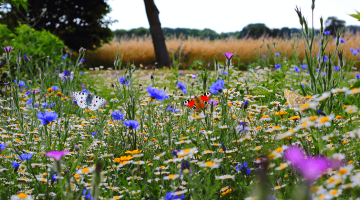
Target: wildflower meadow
[(288, 130)]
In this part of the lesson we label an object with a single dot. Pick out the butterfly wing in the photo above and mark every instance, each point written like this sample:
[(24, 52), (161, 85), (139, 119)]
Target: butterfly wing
[(294, 99), (199, 104), (80, 98), (97, 102), (205, 97), (190, 103)]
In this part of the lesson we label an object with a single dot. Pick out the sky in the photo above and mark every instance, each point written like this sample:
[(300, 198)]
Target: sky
[(229, 15)]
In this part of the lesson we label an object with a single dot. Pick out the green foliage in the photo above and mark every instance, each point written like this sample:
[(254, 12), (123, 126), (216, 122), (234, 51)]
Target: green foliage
[(37, 44), (357, 15)]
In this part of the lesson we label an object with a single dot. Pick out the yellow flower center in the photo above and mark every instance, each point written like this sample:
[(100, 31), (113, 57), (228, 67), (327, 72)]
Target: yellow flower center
[(171, 176), (85, 170), (333, 192), (324, 119), (209, 163), (22, 196)]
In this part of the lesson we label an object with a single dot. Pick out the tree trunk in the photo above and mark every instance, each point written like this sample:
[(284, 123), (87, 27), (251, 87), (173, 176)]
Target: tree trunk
[(157, 35)]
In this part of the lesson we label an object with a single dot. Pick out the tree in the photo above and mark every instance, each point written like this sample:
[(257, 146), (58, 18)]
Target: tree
[(78, 23), (255, 30), (333, 24), (157, 35)]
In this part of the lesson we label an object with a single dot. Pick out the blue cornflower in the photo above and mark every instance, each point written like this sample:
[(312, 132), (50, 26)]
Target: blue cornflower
[(342, 40), (357, 76), (2, 146), (351, 49), (94, 133), (66, 73), (317, 69), (277, 54), (88, 196), (327, 32), (223, 73), (55, 88), (123, 81), (157, 93), (27, 93), (319, 111), (303, 66), (44, 105), (323, 73), (21, 83), (74, 102), (355, 53), (84, 192), (278, 66), (117, 115), (25, 56), (336, 68), (175, 152), (217, 86), (194, 77), (171, 196), (25, 156), (296, 69), (67, 55), (325, 58), (172, 109), (81, 73), (15, 165), (54, 177), (47, 117), (132, 124), (63, 57), (52, 105), (181, 86), (28, 102), (243, 168), (246, 103), (86, 91), (303, 85), (319, 42)]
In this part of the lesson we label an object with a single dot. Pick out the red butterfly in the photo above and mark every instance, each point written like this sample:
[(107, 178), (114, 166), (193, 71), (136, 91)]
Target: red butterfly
[(198, 103)]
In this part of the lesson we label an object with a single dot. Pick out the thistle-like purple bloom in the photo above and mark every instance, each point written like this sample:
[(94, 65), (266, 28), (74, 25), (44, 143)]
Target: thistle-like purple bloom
[(157, 93), (8, 49), (57, 155), (228, 55)]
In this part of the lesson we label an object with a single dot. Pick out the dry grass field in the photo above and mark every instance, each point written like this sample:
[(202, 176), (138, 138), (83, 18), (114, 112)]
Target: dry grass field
[(141, 51)]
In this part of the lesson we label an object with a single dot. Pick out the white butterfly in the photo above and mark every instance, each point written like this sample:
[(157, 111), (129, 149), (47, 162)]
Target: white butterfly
[(92, 101)]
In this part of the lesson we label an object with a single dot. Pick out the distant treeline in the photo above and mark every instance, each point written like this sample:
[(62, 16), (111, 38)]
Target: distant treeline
[(252, 30)]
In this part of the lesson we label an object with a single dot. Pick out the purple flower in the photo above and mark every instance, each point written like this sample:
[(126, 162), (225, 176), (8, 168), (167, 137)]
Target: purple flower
[(277, 54), (357, 76), (264, 55), (296, 69), (66, 75), (228, 55), (327, 32), (311, 168), (55, 88), (336, 68), (25, 156), (8, 49), (303, 66), (2, 146), (213, 102), (157, 93), (57, 155)]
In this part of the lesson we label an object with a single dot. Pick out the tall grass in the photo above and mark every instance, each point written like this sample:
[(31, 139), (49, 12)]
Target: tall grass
[(140, 50)]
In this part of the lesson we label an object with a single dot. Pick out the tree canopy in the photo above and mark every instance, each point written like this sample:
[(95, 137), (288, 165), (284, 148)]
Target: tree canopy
[(78, 23)]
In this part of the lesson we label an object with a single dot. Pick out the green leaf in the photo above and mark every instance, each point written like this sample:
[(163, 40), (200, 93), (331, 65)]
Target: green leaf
[(357, 16), (356, 84)]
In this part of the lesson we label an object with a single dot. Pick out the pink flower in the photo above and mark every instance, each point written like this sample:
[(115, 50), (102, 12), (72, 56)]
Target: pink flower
[(228, 55), (35, 91), (57, 155), (311, 168), (213, 102), (83, 86), (8, 49)]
